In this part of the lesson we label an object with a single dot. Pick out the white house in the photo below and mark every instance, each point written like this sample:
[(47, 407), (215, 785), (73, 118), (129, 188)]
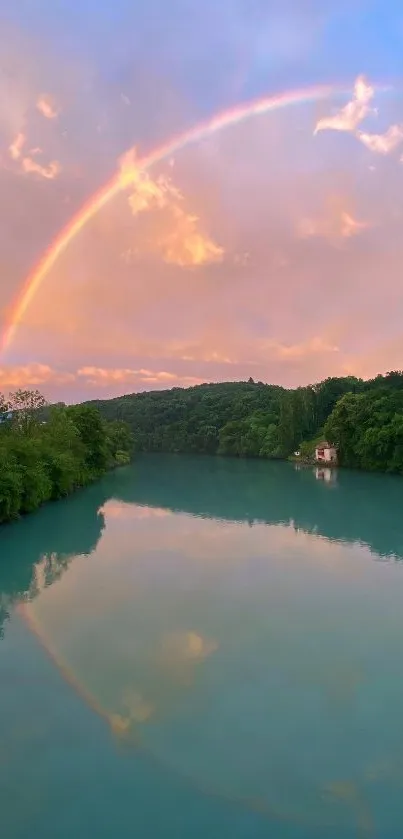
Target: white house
[(325, 453)]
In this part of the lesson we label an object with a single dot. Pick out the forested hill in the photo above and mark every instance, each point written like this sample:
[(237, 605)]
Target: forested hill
[(364, 418), (207, 418)]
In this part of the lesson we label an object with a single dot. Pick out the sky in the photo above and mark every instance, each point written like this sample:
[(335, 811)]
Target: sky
[(271, 247)]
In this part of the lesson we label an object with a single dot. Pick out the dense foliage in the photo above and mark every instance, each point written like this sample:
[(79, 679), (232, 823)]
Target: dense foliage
[(363, 418), (47, 452), (42, 460), (368, 428)]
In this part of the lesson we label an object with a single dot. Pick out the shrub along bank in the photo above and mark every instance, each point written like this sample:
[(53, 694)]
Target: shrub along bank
[(43, 460)]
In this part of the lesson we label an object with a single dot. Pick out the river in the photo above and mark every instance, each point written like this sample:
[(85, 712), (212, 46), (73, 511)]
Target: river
[(205, 648)]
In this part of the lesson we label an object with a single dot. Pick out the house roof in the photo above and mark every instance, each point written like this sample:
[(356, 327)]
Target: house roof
[(324, 445)]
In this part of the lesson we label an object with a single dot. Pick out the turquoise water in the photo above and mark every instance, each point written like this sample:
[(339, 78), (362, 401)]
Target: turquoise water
[(198, 647)]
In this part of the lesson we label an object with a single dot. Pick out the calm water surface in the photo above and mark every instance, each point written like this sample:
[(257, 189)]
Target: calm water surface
[(198, 647)]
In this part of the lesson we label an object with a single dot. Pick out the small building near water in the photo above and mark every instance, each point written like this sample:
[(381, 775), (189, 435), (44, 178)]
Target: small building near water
[(325, 452)]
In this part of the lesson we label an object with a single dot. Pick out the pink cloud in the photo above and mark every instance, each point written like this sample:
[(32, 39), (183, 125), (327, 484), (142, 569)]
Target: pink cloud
[(31, 375), (42, 375), (311, 269), (47, 107), (317, 345), (383, 143), (17, 145), (26, 163), (49, 172), (353, 113), (338, 225), (176, 233), (104, 377)]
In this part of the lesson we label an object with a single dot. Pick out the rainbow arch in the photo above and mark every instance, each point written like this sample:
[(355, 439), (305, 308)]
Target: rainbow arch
[(118, 183)]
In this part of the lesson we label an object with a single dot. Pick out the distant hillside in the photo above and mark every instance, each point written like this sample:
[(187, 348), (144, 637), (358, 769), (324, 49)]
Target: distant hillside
[(247, 419), (192, 419)]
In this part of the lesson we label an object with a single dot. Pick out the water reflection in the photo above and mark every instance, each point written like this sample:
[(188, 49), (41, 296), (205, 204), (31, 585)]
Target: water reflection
[(365, 508), (241, 657), (323, 473), (35, 551)]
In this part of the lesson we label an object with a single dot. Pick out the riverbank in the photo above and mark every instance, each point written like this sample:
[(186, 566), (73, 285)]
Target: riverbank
[(310, 461), (43, 461), (253, 419)]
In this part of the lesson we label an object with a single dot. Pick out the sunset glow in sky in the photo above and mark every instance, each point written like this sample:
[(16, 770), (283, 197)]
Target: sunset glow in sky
[(269, 246)]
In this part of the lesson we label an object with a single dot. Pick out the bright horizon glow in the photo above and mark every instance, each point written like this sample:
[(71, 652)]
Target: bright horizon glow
[(118, 184)]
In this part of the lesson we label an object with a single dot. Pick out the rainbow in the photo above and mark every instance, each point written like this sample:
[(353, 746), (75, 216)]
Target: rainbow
[(118, 183)]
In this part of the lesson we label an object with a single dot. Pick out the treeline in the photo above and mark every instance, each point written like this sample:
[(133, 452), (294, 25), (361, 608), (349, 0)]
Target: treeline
[(46, 459), (247, 419)]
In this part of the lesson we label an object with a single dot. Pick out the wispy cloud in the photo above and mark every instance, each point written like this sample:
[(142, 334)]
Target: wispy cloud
[(17, 145), (49, 172), (296, 352), (196, 352), (34, 374), (130, 333), (25, 162), (350, 117), (353, 113), (333, 224), (383, 143), (126, 376), (178, 236), (47, 107), (184, 244), (18, 102), (41, 375)]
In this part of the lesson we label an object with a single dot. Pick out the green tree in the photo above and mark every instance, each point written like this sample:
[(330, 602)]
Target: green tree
[(42, 460), (25, 405), (119, 441), (230, 438), (92, 431), (330, 391), (270, 446), (10, 486), (63, 453), (35, 481)]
